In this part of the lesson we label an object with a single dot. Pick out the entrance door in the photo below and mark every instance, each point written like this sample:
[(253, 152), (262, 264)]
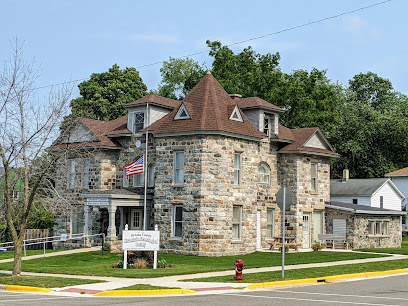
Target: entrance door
[(136, 219), (306, 231)]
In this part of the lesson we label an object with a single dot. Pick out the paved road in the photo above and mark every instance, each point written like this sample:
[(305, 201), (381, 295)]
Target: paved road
[(390, 290)]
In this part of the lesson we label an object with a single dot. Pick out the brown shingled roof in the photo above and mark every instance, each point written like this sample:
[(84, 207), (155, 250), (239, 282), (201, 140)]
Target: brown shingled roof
[(301, 136), (403, 171), (255, 102), (210, 108), (156, 100)]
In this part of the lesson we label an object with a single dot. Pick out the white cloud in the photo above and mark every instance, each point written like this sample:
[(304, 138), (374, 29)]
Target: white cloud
[(357, 27), (155, 38)]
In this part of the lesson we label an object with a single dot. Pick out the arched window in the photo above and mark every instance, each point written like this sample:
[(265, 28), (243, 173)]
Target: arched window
[(263, 173)]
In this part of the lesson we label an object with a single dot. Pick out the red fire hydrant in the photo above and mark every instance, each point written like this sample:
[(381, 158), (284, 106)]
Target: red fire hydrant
[(239, 267)]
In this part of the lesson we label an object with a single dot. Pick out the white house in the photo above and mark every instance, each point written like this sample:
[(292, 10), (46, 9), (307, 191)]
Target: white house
[(400, 179)]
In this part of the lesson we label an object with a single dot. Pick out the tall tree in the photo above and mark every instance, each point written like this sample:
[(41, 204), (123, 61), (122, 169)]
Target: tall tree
[(179, 76), (104, 94), (27, 126)]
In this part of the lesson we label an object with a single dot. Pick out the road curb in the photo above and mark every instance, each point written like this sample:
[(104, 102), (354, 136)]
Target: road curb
[(325, 279), (26, 289), (144, 292)]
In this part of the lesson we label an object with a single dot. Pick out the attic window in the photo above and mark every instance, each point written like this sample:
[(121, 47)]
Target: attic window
[(182, 113), (236, 115)]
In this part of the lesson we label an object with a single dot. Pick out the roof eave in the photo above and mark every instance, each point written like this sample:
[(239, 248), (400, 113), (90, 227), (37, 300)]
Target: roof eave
[(119, 135), (150, 103), (335, 155), (263, 108), (222, 133)]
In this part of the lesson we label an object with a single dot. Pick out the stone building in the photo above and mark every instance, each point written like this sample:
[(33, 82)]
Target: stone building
[(214, 165)]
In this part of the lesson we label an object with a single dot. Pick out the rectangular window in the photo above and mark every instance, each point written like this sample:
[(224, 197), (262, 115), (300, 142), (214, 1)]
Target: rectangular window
[(179, 167), (71, 169), (150, 177), (85, 173), (77, 221), (237, 169), (385, 228), (236, 222), (378, 228), (267, 126), (270, 218), (355, 201), (138, 180), (139, 121), (314, 177), (381, 202), (177, 220)]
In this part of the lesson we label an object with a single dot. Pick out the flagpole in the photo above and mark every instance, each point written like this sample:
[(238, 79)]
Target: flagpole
[(145, 169)]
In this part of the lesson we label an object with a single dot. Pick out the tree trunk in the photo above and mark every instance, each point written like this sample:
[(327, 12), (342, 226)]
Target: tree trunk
[(18, 254)]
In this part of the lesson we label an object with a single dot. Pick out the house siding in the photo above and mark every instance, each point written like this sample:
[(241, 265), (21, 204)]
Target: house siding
[(391, 199), (360, 200)]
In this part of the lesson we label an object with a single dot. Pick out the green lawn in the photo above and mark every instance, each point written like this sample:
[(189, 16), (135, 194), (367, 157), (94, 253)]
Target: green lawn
[(310, 272), (93, 263), (10, 254), (43, 281), (403, 250)]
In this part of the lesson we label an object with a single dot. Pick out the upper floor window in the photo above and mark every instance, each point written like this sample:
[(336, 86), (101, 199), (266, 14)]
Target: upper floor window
[(178, 167), (267, 126), (314, 177), (236, 222), (263, 174), (85, 173), (138, 121), (138, 180), (182, 113), (150, 176), (381, 202), (177, 221), (355, 201), (71, 173), (237, 169)]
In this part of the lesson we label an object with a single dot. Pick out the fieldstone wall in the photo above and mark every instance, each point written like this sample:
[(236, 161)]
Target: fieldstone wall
[(357, 231)]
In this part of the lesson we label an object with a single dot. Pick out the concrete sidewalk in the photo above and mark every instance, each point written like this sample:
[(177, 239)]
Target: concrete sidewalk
[(112, 283)]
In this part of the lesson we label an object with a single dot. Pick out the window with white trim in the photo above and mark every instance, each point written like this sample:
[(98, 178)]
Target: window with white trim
[(71, 173), (267, 125), (378, 228), (236, 222), (178, 168), (182, 113), (138, 180), (314, 177), (237, 168), (150, 176), (263, 173), (77, 220), (85, 173), (138, 121), (178, 221), (270, 220), (381, 202)]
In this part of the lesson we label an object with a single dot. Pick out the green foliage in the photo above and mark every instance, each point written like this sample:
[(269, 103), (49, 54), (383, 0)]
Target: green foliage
[(179, 76), (104, 94), (40, 219), (316, 247)]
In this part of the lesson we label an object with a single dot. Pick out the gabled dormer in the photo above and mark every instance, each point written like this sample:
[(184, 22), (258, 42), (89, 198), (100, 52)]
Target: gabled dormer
[(147, 110)]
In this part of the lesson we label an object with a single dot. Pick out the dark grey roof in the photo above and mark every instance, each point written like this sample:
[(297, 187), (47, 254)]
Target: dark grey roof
[(362, 209), (356, 186)]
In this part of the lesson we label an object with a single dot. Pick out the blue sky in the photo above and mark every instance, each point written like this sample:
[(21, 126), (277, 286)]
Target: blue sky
[(72, 39)]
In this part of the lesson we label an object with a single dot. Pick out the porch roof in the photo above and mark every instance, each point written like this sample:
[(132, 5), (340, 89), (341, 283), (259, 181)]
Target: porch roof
[(362, 209)]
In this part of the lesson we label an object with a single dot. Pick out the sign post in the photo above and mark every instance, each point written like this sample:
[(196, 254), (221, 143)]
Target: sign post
[(284, 198)]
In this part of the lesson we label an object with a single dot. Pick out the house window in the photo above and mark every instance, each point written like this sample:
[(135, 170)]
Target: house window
[(236, 222), (14, 194), (139, 119), (314, 177), (71, 169), (182, 113), (237, 169), (270, 217), (355, 201), (150, 176), (381, 202), (178, 221), (138, 180), (85, 173), (267, 126), (263, 174), (378, 228), (77, 221), (179, 167)]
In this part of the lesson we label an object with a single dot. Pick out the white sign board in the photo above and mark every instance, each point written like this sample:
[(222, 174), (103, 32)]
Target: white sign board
[(141, 240), (97, 202)]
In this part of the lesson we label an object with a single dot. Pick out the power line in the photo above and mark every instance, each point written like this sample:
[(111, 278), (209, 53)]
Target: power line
[(243, 41)]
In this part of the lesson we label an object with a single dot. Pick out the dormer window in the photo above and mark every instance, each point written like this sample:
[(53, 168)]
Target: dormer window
[(139, 119), (267, 126), (236, 115), (182, 113)]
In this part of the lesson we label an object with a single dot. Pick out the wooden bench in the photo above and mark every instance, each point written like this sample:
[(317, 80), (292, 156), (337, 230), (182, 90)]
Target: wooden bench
[(333, 240), (277, 243)]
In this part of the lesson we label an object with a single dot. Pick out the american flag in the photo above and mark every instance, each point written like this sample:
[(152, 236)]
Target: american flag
[(137, 167)]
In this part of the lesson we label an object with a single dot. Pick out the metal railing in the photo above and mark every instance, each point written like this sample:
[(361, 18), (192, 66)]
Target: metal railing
[(51, 239)]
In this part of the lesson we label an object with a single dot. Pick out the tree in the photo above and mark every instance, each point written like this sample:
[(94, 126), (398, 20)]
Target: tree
[(179, 76), (104, 94), (26, 127)]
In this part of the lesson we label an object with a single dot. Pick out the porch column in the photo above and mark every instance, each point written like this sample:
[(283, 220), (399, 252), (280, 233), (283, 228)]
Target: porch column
[(87, 210), (112, 227), (121, 226)]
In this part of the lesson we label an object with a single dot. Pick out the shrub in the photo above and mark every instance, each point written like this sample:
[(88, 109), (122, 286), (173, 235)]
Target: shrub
[(140, 263), (162, 264), (147, 255), (286, 248), (316, 246), (106, 247)]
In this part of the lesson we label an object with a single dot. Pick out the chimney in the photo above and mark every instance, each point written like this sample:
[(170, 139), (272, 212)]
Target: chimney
[(346, 175), (235, 96)]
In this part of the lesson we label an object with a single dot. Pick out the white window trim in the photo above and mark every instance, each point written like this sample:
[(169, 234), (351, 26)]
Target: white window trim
[(133, 120), (372, 230), (71, 173), (141, 178), (150, 176), (270, 234), (266, 174), (239, 223), (313, 186), (176, 180), (85, 173), (175, 221), (181, 109), (237, 113), (238, 169)]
